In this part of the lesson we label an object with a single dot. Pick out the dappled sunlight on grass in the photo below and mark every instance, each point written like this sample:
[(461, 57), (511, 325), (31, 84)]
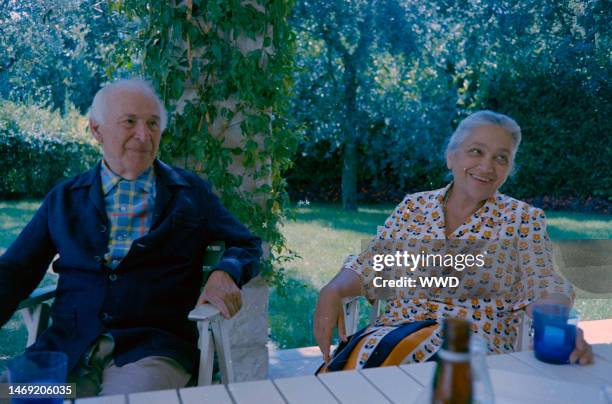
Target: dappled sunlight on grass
[(331, 216), (324, 235), (13, 337), (594, 309), (570, 225), (23, 205), (291, 312), (322, 249), (13, 218)]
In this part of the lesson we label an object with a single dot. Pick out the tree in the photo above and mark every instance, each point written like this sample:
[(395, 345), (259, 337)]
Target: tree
[(54, 52), (468, 55), (347, 34)]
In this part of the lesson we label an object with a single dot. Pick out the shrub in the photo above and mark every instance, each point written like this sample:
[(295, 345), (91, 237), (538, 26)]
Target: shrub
[(39, 148), (565, 118)]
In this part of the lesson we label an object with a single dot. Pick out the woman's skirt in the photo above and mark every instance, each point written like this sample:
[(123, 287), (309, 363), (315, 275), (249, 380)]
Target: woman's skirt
[(386, 345)]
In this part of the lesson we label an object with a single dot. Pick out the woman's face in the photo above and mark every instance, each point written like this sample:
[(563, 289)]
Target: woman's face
[(482, 163)]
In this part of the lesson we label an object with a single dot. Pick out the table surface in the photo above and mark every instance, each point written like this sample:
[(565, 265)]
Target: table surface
[(516, 378)]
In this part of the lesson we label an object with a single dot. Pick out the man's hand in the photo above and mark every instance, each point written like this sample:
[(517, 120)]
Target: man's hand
[(222, 292), (583, 352), (328, 315)]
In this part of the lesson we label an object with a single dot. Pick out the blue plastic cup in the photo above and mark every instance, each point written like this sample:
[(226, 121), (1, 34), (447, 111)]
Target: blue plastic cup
[(555, 332), (38, 367)]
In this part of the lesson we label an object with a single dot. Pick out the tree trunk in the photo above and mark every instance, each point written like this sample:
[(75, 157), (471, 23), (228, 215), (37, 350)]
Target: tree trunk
[(349, 174), (349, 157)]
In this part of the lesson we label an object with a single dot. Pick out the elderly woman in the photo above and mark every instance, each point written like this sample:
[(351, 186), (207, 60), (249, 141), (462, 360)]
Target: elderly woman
[(480, 154)]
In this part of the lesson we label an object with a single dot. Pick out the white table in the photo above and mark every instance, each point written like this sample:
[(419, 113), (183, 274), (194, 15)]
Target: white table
[(517, 378)]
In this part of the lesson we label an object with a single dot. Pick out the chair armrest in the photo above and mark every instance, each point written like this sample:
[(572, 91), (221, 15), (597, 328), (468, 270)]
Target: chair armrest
[(35, 312), (38, 296), (525, 332), (205, 312), (214, 336), (350, 306)]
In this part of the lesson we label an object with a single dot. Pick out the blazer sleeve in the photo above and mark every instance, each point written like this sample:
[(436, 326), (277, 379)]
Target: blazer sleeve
[(24, 264), (242, 252)]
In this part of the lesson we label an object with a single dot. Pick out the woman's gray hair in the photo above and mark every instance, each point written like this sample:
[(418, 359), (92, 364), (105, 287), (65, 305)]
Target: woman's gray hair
[(99, 105), (483, 118)]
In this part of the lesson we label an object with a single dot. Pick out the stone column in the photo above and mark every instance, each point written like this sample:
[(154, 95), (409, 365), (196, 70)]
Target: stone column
[(249, 328)]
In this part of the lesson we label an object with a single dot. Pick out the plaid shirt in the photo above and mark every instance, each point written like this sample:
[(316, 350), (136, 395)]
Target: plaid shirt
[(129, 207)]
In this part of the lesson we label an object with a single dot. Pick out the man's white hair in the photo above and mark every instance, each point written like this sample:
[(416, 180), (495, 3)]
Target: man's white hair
[(99, 105)]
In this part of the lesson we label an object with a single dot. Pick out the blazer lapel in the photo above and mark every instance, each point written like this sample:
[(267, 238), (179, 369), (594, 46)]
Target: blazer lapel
[(167, 179), (96, 197), (162, 199), (92, 180), (97, 213)]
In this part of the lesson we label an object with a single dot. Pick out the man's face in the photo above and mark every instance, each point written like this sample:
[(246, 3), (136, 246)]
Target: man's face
[(130, 133)]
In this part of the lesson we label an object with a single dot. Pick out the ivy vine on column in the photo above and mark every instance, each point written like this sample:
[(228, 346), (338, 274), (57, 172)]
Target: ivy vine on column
[(216, 61)]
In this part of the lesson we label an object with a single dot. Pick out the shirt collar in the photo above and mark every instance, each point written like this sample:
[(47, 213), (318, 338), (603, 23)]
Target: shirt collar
[(144, 181), (442, 193)]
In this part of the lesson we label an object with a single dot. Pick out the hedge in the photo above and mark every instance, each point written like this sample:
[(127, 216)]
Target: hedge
[(39, 148), (564, 161)]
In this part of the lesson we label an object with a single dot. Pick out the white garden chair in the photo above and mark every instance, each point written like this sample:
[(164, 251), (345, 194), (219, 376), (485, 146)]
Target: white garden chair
[(211, 325)]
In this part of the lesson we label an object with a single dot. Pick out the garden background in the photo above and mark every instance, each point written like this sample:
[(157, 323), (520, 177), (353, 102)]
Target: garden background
[(365, 96)]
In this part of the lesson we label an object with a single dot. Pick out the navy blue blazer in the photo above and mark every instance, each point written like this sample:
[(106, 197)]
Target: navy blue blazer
[(145, 301)]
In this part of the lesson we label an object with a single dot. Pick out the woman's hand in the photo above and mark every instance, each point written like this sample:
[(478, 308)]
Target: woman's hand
[(583, 352), (328, 315)]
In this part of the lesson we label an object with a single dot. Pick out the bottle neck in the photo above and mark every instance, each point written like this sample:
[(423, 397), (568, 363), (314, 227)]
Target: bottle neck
[(456, 335)]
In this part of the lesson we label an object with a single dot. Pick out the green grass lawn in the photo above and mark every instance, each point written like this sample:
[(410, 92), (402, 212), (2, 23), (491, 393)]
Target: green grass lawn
[(322, 235), (13, 217)]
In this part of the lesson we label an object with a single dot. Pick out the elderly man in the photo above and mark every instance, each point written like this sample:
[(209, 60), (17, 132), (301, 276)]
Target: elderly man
[(130, 235)]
